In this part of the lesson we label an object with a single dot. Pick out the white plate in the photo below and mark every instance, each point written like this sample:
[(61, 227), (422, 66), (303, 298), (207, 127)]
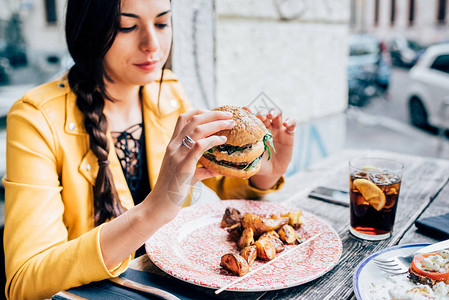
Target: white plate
[(191, 246), (369, 281)]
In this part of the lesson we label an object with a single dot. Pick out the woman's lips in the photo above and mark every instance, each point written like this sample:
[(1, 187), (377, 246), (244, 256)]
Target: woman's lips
[(147, 66)]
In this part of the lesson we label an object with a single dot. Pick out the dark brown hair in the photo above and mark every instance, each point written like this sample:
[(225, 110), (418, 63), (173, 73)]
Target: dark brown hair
[(91, 27)]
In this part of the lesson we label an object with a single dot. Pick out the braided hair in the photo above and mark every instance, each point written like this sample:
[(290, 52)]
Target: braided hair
[(91, 27)]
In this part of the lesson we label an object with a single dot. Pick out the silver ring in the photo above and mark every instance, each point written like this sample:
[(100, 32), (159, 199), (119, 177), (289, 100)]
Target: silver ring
[(291, 131), (188, 142)]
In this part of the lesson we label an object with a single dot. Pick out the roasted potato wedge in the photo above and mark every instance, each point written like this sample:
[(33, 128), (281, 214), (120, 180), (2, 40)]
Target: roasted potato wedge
[(287, 234), (234, 263), (278, 244), (272, 233), (261, 225), (231, 216), (251, 220), (235, 231), (265, 249), (250, 254), (247, 238), (295, 218)]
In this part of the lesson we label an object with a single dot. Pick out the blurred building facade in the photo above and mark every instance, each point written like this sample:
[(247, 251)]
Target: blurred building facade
[(36, 28), (43, 24), (293, 52), (425, 21), (7, 8), (229, 51), (43, 27)]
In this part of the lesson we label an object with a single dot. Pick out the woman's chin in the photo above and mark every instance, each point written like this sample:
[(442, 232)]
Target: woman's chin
[(149, 77)]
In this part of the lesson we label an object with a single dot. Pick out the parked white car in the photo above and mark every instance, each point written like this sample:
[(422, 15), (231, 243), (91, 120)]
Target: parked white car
[(428, 92)]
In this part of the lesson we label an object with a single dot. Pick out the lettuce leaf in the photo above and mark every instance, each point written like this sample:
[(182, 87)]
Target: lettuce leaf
[(268, 141), (253, 164), (211, 150)]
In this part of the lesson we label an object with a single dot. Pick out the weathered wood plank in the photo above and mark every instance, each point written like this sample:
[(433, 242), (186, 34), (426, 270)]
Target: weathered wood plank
[(439, 206)]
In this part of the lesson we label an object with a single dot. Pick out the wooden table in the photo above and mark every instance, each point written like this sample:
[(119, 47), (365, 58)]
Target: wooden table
[(424, 193)]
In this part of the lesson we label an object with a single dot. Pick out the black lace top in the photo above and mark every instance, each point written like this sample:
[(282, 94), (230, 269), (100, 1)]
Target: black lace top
[(130, 148)]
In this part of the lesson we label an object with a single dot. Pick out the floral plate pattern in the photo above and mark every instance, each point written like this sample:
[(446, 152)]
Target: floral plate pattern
[(191, 246)]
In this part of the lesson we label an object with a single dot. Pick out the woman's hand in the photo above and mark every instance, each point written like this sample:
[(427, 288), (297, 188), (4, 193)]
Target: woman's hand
[(124, 234), (179, 171), (283, 140)]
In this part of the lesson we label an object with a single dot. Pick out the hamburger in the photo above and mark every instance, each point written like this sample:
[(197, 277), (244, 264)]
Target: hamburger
[(246, 143)]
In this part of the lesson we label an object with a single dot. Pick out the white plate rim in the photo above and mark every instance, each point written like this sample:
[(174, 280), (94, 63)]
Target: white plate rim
[(363, 263)]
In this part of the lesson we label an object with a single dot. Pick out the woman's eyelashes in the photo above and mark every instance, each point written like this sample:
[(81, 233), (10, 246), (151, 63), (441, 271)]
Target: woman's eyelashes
[(157, 25), (127, 29), (161, 25)]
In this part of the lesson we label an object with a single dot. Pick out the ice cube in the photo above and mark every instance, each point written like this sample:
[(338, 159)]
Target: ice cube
[(392, 191), (381, 179)]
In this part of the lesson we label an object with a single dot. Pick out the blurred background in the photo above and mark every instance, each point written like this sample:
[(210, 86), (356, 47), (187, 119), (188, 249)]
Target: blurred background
[(370, 74), (354, 73)]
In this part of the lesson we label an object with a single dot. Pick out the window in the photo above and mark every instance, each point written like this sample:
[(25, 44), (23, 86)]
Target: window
[(376, 13), (50, 11), (393, 12), (411, 13), (441, 17), (441, 63)]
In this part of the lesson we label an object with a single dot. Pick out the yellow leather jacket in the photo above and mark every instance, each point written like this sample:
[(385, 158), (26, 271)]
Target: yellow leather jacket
[(51, 243)]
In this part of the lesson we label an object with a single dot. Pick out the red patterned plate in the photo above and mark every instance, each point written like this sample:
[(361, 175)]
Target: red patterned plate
[(191, 246)]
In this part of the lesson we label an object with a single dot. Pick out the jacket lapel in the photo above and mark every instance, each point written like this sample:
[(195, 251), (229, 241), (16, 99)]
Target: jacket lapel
[(156, 136), (160, 121), (89, 169), (119, 178), (88, 166)]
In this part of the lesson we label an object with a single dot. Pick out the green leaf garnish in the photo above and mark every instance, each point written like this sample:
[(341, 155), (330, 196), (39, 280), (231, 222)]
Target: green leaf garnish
[(268, 139), (253, 164), (211, 150)]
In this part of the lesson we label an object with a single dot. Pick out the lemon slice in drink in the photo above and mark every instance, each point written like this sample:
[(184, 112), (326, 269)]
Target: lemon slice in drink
[(371, 192), (371, 168)]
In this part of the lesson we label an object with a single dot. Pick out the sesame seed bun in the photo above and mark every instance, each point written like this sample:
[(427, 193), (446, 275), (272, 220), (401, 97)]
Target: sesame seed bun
[(247, 130)]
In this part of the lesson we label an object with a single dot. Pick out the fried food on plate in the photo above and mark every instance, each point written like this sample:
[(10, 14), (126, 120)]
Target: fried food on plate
[(287, 234), (250, 254), (235, 263), (247, 238), (265, 249), (260, 224), (258, 237), (231, 216)]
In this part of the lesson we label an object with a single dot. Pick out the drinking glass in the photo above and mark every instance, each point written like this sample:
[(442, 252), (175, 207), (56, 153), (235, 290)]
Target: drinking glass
[(374, 185)]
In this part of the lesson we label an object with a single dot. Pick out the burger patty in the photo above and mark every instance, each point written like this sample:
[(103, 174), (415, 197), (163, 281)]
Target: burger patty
[(228, 164)]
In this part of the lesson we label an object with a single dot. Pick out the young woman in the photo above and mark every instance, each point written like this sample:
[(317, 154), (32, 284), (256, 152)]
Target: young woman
[(100, 160)]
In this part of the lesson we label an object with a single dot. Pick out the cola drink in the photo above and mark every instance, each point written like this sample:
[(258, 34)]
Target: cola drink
[(374, 192)]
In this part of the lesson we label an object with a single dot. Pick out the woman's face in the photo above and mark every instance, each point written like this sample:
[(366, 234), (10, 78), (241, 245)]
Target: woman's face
[(142, 44)]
